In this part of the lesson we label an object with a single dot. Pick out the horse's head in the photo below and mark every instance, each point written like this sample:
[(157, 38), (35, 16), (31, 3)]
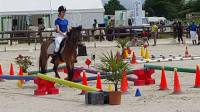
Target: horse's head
[(75, 34)]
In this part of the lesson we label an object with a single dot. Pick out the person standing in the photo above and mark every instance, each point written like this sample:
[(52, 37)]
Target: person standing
[(95, 26), (193, 33), (41, 28), (154, 31), (109, 29), (198, 33), (175, 25), (180, 32), (144, 36)]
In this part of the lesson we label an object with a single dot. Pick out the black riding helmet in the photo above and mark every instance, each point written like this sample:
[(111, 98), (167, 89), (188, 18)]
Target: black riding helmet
[(61, 8)]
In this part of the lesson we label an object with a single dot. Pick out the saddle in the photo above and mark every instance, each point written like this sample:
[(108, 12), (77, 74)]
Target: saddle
[(51, 48)]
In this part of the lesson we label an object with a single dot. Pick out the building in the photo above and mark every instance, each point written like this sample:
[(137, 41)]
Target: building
[(193, 15), (25, 13)]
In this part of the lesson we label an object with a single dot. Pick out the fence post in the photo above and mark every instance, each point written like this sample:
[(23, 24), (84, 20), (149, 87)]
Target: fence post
[(11, 37)]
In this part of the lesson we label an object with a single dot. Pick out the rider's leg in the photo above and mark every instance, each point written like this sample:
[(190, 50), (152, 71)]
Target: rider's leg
[(58, 40)]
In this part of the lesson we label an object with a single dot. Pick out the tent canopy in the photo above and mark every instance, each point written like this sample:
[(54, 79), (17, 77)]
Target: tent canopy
[(31, 7)]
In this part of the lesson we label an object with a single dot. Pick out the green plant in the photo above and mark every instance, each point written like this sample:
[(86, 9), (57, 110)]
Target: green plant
[(112, 6), (122, 42), (115, 66), (24, 62)]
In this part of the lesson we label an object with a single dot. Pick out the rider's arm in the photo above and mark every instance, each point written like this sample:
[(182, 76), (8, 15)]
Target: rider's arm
[(58, 30)]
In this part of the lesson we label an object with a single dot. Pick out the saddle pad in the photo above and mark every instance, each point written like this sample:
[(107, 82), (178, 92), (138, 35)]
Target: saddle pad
[(51, 48)]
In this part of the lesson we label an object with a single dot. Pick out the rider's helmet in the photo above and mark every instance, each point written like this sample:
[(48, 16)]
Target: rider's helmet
[(61, 8)]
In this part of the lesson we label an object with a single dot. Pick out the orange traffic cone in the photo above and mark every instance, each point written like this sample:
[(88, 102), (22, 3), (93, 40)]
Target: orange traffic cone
[(163, 81), (197, 80), (11, 69), (98, 84), (124, 83), (84, 82), (133, 61), (177, 87)]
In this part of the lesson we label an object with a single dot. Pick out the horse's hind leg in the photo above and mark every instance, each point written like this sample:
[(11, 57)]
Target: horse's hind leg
[(55, 69)]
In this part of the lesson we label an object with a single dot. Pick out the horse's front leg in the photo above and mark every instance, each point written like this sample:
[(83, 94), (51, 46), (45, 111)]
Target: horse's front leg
[(55, 69), (70, 68)]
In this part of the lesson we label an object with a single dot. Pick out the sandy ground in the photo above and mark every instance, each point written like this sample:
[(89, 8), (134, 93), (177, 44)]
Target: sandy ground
[(14, 99)]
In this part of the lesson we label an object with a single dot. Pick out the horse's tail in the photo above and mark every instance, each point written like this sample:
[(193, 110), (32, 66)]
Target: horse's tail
[(44, 57)]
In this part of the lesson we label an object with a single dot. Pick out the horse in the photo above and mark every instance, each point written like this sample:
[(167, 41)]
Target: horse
[(67, 55)]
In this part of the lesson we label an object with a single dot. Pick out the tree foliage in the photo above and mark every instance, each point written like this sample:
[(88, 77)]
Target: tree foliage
[(113, 5)]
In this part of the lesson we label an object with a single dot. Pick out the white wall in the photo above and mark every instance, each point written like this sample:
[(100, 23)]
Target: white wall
[(85, 18)]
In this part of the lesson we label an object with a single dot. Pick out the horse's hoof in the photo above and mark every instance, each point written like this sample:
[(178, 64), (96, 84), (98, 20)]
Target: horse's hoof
[(57, 77)]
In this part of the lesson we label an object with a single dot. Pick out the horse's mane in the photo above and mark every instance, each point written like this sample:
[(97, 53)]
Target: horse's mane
[(73, 35)]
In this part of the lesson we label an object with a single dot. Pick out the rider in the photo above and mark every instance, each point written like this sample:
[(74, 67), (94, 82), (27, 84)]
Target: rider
[(61, 29)]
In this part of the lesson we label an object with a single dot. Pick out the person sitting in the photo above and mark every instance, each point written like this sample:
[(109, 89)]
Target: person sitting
[(61, 25)]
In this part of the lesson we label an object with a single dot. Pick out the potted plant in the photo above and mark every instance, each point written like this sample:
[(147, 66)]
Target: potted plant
[(24, 62), (123, 44), (115, 66)]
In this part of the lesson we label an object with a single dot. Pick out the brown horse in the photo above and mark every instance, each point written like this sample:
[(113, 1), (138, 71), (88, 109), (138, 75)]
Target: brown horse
[(67, 54)]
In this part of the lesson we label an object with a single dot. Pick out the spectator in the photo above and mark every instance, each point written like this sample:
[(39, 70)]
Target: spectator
[(193, 33), (41, 28), (154, 31), (129, 22), (144, 36), (175, 24), (180, 32), (95, 26), (109, 29), (198, 33)]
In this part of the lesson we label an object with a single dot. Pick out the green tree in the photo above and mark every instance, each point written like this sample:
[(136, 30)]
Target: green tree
[(167, 8), (113, 5)]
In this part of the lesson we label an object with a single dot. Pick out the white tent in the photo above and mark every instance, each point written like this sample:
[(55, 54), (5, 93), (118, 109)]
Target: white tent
[(78, 11)]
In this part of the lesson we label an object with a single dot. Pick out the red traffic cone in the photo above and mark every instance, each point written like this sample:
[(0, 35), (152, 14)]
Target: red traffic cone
[(124, 83), (197, 80), (98, 84), (20, 82), (11, 69), (163, 81), (65, 70), (133, 61), (76, 75), (177, 87), (20, 71), (129, 50), (84, 82), (87, 62), (1, 71)]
